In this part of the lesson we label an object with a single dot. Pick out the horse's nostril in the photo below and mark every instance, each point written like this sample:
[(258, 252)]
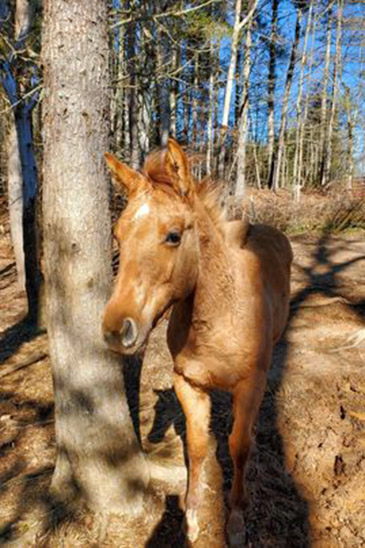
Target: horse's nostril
[(128, 333)]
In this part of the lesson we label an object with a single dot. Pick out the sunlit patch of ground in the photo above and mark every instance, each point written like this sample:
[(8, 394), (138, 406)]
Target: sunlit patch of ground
[(307, 472)]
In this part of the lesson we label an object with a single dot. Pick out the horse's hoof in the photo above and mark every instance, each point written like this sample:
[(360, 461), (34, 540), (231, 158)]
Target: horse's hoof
[(236, 531), (192, 525)]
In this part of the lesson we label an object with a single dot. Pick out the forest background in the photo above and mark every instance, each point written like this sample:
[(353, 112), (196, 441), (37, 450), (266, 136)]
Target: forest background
[(266, 94), (267, 97)]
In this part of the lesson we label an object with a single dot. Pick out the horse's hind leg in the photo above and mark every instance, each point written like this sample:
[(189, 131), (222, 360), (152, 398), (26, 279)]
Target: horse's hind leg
[(247, 397), (196, 407)]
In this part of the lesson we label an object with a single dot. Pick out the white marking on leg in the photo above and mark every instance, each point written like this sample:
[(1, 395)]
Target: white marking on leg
[(192, 523)]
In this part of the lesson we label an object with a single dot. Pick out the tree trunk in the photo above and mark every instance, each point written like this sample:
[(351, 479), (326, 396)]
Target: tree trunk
[(239, 82), (187, 96), (120, 91), (22, 156), (232, 64), (336, 68), (126, 141), (271, 91), (133, 106), (229, 88), (195, 92), (210, 129), (216, 132), (24, 129), (144, 97), (238, 26), (15, 200), (163, 87), (350, 138), (145, 117), (297, 172), (323, 126), (98, 457), (309, 173), (173, 92), (243, 121), (15, 177), (284, 111), (257, 167)]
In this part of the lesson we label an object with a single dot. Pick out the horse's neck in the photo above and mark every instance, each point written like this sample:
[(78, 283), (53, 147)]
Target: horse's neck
[(214, 290)]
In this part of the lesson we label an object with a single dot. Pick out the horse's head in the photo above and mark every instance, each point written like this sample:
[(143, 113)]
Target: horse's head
[(158, 246)]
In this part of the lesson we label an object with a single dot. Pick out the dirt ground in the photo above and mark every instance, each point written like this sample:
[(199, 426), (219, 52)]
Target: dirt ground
[(307, 472)]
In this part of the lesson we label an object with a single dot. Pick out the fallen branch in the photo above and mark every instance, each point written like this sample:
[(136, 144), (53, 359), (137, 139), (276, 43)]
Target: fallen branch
[(321, 302), (16, 366)]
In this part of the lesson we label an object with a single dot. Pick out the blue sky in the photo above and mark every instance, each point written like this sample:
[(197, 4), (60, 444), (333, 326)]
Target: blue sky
[(350, 70)]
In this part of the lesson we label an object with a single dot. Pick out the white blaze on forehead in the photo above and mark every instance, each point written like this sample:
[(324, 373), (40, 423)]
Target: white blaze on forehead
[(143, 210)]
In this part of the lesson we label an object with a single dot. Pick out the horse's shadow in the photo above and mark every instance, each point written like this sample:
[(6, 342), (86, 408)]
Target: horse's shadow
[(277, 514), (267, 479), (167, 412)]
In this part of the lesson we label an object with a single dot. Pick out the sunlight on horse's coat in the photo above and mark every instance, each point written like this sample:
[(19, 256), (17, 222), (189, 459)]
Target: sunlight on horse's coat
[(227, 286)]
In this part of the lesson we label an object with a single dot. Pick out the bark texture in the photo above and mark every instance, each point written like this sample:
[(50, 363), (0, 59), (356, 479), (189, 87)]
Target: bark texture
[(15, 198), (98, 454), (271, 91), (243, 122)]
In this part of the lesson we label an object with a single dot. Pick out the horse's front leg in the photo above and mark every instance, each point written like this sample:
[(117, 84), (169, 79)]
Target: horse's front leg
[(196, 407)]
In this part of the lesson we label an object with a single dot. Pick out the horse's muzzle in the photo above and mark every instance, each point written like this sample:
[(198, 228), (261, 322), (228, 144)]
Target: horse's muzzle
[(124, 341)]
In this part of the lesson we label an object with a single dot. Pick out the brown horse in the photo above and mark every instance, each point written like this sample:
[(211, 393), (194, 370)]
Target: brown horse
[(228, 286)]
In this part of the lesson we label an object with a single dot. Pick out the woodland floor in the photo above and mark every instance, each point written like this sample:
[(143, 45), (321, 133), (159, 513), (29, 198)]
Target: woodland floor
[(307, 473)]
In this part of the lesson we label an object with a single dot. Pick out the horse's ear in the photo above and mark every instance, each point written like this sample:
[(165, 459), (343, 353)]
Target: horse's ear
[(177, 168), (122, 175)]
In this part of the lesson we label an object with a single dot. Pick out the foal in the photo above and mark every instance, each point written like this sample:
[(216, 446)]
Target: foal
[(228, 286)]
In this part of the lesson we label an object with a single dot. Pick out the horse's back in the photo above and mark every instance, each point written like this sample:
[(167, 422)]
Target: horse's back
[(262, 239), (267, 243), (274, 256), (270, 244)]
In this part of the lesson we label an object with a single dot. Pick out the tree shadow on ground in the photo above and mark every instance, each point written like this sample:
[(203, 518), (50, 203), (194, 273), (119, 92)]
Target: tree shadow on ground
[(16, 335), (132, 370), (30, 485), (278, 515), (167, 412), (33, 488), (169, 531), (7, 270), (323, 283)]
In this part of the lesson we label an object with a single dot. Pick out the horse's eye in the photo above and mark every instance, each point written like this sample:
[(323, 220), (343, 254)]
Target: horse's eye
[(173, 238)]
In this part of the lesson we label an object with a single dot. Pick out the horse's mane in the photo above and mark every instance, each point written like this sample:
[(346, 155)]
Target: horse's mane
[(208, 191)]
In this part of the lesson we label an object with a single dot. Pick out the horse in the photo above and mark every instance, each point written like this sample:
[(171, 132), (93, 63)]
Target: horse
[(226, 285)]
